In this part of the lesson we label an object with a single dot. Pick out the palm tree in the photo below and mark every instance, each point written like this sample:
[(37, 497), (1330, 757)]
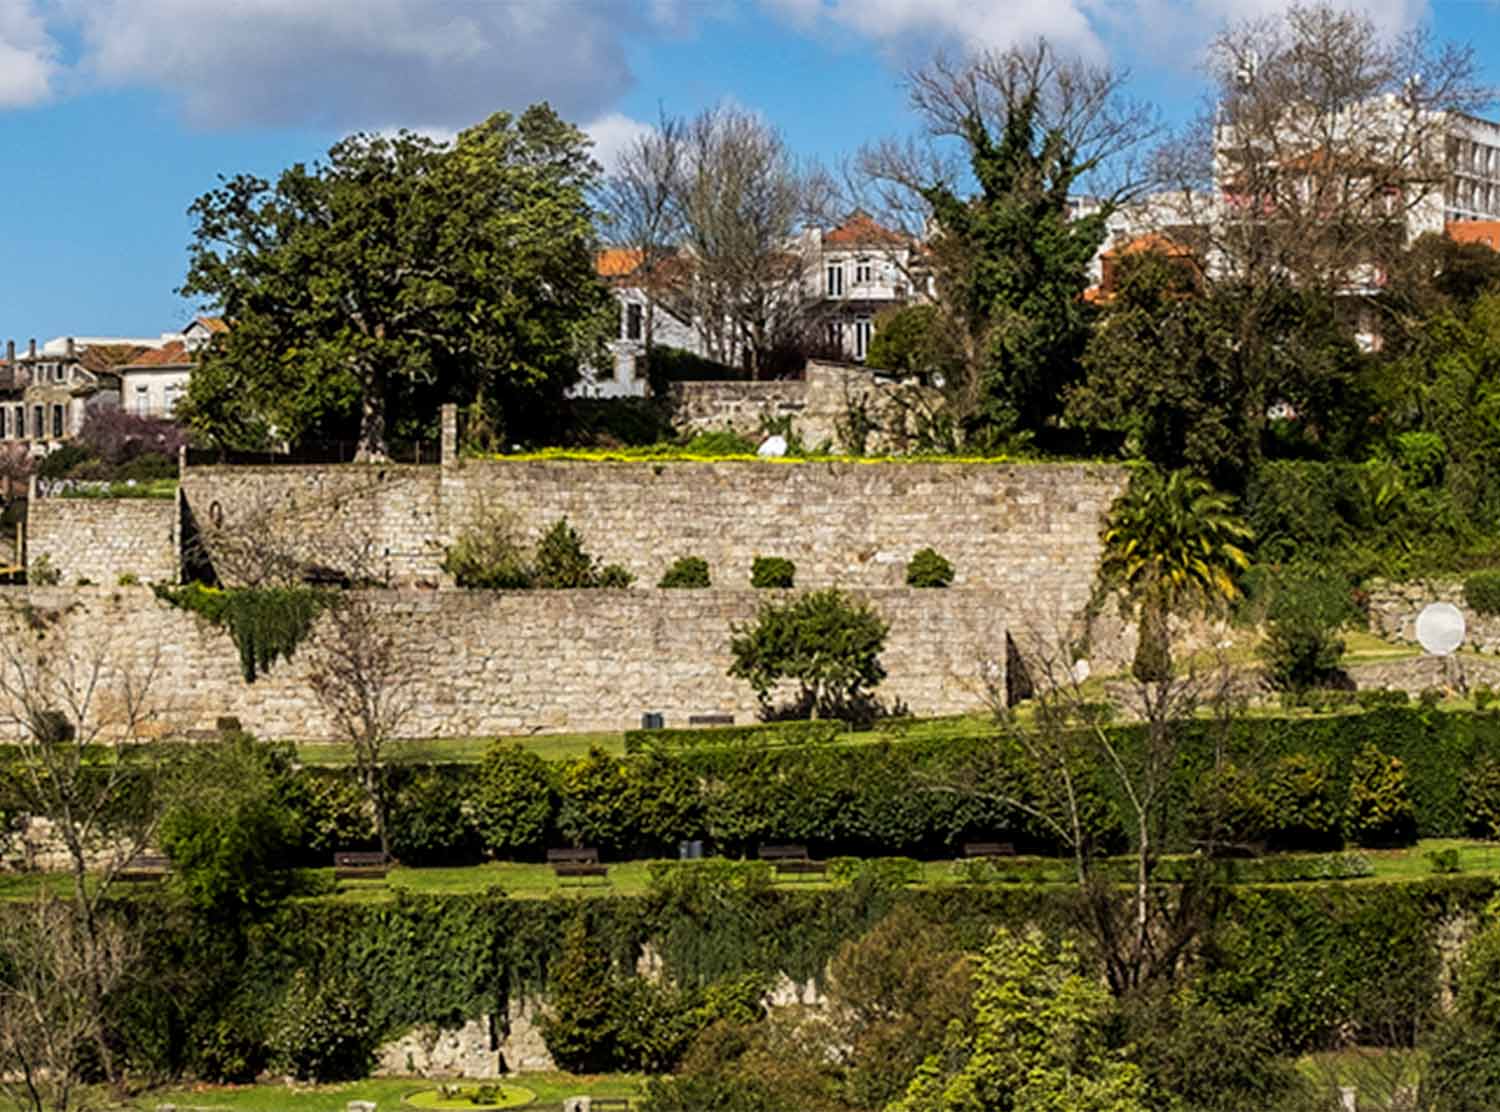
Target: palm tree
[(1172, 545)]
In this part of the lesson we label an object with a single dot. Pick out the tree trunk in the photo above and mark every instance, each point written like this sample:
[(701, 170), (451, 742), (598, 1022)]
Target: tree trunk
[(372, 442)]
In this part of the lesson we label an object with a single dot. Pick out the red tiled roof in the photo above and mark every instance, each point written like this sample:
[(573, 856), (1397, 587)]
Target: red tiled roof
[(174, 354), (213, 324), (108, 357), (859, 230), (1486, 232), (1153, 241), (617, 262)]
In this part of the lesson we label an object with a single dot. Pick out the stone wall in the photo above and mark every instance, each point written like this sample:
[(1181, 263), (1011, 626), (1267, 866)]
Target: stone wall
[(486, 663), (1029, 531), (101, 539), (1394, 608), (825, 407)]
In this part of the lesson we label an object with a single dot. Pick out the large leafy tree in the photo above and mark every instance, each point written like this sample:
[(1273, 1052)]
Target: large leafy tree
[(399, 274)]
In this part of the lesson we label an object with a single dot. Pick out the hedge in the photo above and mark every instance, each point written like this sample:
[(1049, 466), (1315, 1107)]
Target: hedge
[(764, 735)]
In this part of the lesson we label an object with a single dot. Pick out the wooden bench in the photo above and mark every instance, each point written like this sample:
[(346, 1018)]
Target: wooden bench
[(144, 867), (792, 860), (1241, 850), (351, 864), (710, 720), (580, 864), (989, 849)]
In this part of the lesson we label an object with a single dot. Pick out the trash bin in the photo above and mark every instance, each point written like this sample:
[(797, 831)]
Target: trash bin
[(690, 850), (652, 720)]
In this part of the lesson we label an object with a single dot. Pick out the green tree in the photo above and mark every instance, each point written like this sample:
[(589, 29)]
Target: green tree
[(1302, 647), (1380, 810), (826, 642), (399, 274), (1039, 1040), (1171, 545), (512, 798)]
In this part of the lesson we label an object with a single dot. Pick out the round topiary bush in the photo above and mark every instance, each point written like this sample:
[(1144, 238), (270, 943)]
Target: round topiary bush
[(686, 572), (928, 569), (772, 572)]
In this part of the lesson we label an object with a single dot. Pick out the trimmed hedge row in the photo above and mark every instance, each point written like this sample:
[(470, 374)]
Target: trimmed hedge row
[(760, 735)]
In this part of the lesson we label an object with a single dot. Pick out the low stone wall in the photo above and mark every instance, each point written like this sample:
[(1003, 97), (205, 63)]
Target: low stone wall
[(101, 539), (741, 407), (487, 663), (1394, 608)]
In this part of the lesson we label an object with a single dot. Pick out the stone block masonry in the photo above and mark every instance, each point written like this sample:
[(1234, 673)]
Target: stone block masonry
[(488, 663), (101, 539)]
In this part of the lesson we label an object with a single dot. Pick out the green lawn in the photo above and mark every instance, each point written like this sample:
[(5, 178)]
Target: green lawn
[(550, 1088)]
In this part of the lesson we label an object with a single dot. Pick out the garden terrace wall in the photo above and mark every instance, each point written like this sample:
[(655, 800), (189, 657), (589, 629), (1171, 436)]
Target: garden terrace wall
[(101, 539), (1029, 530), (487, 662)]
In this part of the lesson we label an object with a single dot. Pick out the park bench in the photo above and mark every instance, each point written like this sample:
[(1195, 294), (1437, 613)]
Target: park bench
[(989, 849), (792, 860), (578, 864), (710, 720), (360, 865), (144, 867), (1240, 850)]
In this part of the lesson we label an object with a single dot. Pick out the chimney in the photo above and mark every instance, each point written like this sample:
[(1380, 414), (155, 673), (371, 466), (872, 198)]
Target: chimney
[(10, 352), (31, 350), (70, 347)]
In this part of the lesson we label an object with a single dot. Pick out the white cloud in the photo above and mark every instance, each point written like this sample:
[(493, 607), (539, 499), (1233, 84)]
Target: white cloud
[(28, 55), (612, 134), (439, 64)]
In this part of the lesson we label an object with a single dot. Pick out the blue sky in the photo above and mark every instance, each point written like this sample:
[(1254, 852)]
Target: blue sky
[(115, 114)]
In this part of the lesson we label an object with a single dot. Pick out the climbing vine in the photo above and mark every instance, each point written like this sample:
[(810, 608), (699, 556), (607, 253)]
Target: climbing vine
[(264, 622)]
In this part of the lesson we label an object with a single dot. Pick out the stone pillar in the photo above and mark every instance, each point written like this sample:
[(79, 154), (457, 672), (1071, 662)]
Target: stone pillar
[(449, 455)]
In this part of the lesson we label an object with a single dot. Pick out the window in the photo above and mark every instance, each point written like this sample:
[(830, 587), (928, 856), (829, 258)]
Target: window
[(862, 330), (174, 395), (835, 281), (835, 336), (59, 372), (38, 422), (20, 422), (4, 432), (632, 322), (143, 401), (57, 422), (864, 272)]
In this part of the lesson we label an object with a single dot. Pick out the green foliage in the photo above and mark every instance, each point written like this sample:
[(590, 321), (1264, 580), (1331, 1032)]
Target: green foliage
[(614, 577), (512, 798), (1482, 592), (641, 804), (762, 735), (335, 814), (581, 1028), (561, 562), (686, 572), (668, 365), (231, 828), (1380, 810), (771, 572), (721, 442), (1299, 807), (1482, 799), (399, 274), (429, 824), (914, 340), (825, 642), (321, 1031), (1444, 861), (488, 554), (928, 569), (42, 573), (1302, 648), (1039, 1039), (264, 622)]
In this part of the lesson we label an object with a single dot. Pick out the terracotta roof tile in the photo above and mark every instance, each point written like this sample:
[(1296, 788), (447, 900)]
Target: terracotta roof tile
[(617, 262), (860, 230), (174, 354)]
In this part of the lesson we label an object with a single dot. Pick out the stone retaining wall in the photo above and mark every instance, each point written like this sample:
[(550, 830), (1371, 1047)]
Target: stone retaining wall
[(1394, 608), (101, 539), (486, 663)]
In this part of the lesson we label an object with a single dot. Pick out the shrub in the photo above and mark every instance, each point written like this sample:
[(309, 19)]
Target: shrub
[(1380, 810), (335, 814), (428, 825), (1299, 811), (928, 569), (614, 577), (826, 642), (1482, 592), (230, 827), (60, 464), (762, 735), (768, 572), (487, 554), (1375, 698), (42, 573), (1482, 799), (1484, 695), (512, 798), (321, 1032), (1302, 648), (721, 442), (686, 572), (128, 579), (1431, 697), (1444, 860), (561, 562)]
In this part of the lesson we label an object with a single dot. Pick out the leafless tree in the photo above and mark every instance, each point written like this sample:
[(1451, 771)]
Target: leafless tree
[(1066, 744), (642, 215), (49, 996), (742, 198), (1325, 137), (363, 677), (85, 760)]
